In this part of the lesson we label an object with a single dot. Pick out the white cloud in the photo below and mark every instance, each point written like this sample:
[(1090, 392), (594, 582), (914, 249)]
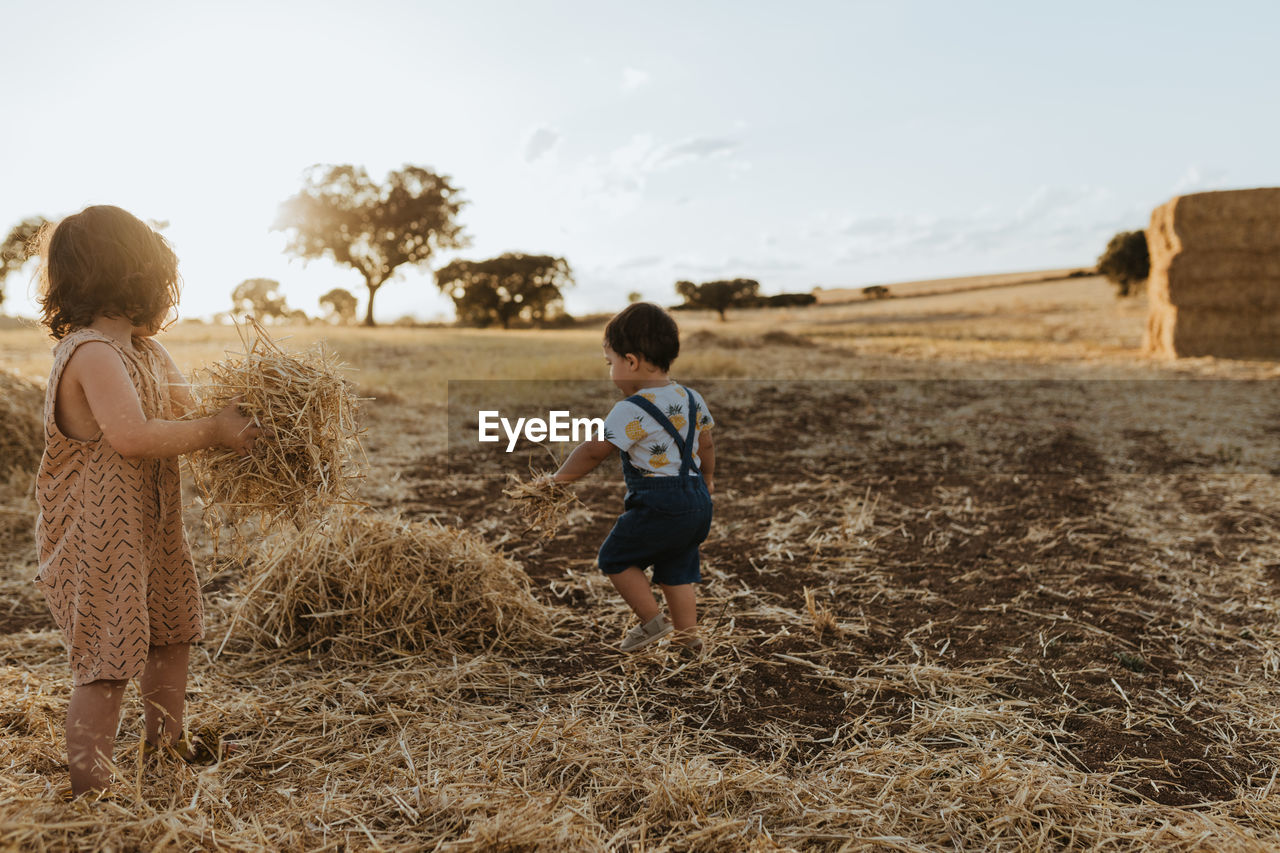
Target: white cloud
[(634, 79), (696, 148), (539, 143), (642, 262), (745, 267), (617, 181), (1074, 219), (1197, 179)]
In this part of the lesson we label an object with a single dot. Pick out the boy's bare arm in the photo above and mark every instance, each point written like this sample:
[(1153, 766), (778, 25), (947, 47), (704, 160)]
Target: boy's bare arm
[(707, 456), (113, 403), (583, 460)]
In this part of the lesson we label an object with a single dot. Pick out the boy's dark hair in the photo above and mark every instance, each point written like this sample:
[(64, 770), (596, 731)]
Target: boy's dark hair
[(644, 329), (105, 261)]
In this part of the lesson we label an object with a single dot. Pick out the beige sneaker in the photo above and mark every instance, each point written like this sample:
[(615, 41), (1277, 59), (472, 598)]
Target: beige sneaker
[(642, 635)]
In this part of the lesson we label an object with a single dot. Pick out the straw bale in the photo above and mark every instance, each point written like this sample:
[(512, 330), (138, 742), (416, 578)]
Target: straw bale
[(1180, 332), (306, 460), (357, 577), (21, 423), (1221, 280), (1240, 220), (1234, 205)]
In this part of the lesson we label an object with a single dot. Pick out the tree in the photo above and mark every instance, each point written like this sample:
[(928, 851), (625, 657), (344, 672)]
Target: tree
[(719, 296), (510, 286), (634, 296), (1126, 261), (260, 297), (373, 228), (341, 304), (18, 246)]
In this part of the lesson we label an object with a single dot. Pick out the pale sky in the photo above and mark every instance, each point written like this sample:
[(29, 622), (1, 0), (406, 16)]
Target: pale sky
[(802, 143)]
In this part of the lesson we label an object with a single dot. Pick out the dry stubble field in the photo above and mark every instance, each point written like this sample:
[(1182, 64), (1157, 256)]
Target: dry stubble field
[(981, 578)]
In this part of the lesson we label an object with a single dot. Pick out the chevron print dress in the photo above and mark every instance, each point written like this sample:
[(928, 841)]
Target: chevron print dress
[(114, 565)]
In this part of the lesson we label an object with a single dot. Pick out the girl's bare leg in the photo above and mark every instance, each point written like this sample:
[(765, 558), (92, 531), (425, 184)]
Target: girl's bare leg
[(164, 690), (633, 585), (681, 601), (93, 715)]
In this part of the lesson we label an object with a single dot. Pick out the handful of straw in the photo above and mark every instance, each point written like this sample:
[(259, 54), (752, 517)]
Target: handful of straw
[(304, 462), (543, 503)]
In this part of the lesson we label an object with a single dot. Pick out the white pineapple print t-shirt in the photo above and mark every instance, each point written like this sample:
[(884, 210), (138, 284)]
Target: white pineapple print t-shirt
[(650, 447)]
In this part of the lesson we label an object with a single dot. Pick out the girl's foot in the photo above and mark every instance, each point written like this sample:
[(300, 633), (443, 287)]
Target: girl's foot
[(96, 795)]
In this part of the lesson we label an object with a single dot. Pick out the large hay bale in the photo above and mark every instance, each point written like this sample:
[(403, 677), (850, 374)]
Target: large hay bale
[(1214, 285), (1227, 219), (364, 579), (1223, 332), (1218, 279), (21, 424)]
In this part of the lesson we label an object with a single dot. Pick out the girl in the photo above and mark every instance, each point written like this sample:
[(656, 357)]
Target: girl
[(114, 565)]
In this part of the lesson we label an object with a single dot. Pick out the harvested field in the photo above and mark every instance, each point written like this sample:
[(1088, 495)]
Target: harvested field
[(945, 615)]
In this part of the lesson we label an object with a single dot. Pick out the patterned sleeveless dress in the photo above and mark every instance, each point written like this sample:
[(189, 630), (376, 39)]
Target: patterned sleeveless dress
[(114, 564)]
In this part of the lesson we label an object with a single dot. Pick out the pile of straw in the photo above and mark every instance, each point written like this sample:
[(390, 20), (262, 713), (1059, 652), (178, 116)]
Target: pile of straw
[(21, 423), (304, 463), (543, 503), (17, 512), (358, 578)]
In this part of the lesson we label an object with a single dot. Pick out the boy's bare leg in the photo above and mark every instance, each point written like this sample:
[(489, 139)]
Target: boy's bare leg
[(164, 691), (93, 715), (681, 601), (633, 585)]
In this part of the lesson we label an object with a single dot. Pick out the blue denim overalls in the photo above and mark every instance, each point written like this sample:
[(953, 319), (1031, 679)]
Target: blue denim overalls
[(665, 518)]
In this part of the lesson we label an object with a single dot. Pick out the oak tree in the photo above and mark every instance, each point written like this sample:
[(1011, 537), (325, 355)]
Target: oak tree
[(1126, 262), (502, 289), (719, 296), (372, 227), (260, 297), (341, 305)]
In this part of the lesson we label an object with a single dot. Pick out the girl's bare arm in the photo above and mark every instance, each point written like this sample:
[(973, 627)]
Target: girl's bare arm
[(96, 378), (583, 460)]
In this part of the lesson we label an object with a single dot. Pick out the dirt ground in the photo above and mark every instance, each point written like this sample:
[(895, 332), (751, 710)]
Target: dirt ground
[(985, 581)]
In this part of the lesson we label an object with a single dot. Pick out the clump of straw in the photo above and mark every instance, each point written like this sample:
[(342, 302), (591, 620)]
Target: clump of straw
[(17, 512), (304, 462), (543, 503), (21, 423), (361, 578)]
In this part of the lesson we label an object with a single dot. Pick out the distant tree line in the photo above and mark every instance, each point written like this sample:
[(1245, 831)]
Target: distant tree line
[(723, 294), (378, 227)]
